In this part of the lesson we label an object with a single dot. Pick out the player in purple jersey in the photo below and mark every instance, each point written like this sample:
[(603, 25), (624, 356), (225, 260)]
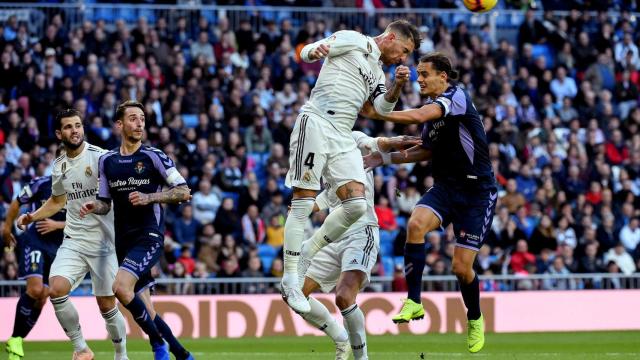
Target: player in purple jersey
[(464, 191), (35, 248), (132, 177)]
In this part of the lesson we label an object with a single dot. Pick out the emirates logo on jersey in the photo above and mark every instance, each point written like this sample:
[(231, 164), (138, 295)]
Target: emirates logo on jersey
[(139, 167)]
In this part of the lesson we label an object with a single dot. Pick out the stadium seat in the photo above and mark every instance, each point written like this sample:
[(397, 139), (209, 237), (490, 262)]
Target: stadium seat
[(386, 248), (546, 51), (189, 120), (402, 222), (267, 250), (387, 236), (387, 265), (266, 263), (233, 195)]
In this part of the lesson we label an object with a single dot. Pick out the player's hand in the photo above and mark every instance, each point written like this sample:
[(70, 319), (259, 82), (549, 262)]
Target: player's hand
[(372, 161), (368, 110), (320, 52), (139, 199), (24, 220), (398, 142), (402, 75), (46, 226), (87, 208), (9, 239)]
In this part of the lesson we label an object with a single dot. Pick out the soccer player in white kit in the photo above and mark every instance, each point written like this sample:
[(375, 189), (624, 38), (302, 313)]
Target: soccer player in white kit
[(321, 143), (88, 244), (346, 263)]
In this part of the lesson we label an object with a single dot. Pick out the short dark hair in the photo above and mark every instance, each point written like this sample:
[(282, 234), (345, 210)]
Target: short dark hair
[(66, 113), (127, 104), (440, 62), (407, 30)]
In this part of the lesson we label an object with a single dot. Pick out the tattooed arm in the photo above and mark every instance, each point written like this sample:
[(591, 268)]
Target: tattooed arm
[(97, 207), (175, 195)]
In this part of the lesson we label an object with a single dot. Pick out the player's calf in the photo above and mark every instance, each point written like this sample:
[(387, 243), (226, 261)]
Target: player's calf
[(346, 291), (67, 314)]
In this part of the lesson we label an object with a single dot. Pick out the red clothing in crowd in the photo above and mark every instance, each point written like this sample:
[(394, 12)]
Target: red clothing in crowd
[(616, 155), (386, 218), (520, 259)]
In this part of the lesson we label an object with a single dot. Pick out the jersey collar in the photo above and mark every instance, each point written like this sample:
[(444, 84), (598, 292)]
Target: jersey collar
[(79, 156)]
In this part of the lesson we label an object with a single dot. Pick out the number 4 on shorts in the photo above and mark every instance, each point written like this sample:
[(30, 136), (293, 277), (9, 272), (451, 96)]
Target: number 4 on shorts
[(309, 160)]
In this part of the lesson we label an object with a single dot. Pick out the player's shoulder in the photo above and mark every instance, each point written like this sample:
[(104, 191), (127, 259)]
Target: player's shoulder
[(59, 163), (107, 154), (153, 152), (39, 181), (350, 36), (95, 149)]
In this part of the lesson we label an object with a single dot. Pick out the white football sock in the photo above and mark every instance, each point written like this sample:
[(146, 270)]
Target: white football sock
[(320, 317), (354, 323), (68, 318), (293, 236), (117, 330)]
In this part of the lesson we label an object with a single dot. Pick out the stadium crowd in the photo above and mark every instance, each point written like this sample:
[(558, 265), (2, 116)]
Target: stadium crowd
[(560, 107)]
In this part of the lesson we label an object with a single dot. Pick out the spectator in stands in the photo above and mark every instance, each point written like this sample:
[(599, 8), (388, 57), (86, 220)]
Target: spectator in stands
[(253, 228), (206, 203), (210, 250), (621, 258), (630, 235), (386, 217), (257, 137), (563, 86), (227, 219), (186, 228), (590, 262), (513, 199), (521, 257), (275, 207), (543, 236), (558, 268), (202, 47), (187, 260), (275, 231), (565, 235)]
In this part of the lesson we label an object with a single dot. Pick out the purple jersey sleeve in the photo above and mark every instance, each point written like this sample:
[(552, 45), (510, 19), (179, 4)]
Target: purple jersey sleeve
[(103, 181), (29, 190), (165, 167)]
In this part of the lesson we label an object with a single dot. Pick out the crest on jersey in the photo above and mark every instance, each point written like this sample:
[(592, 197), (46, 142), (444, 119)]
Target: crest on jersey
[(64, 166), (88, 171), (307, 176), (139, 167), (369, 48)]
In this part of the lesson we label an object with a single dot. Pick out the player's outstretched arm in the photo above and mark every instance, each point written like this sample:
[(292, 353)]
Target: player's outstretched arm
[(12, 214), (48, 209), (175, 195), (97, 207), (411, 155), (421, 115), (386, 144)]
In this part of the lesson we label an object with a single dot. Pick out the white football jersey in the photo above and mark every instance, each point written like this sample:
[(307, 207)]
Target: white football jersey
[(328, 196), (78, 178), (351, 74)]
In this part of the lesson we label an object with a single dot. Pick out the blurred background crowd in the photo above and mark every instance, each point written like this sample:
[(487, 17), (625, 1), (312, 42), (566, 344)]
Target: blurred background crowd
[(559, 101)]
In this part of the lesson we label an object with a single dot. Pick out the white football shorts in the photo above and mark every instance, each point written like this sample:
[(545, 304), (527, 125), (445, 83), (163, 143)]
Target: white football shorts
[(74, 265)]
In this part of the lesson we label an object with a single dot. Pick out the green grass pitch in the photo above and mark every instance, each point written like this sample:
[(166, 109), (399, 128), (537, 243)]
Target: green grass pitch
[(579, 345)]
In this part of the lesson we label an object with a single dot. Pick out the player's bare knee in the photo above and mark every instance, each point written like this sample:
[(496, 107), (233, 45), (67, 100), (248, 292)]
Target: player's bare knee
[(122, 292), (106, 303), (58, 288), (461, 270), (416, 227), (344, 299), (37, 292)]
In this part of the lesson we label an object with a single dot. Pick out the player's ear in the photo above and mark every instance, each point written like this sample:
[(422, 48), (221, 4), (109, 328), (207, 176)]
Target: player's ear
[(59, 134)]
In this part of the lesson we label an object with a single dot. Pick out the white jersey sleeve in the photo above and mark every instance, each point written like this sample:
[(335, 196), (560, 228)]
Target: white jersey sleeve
[(339, 43), (57, 188)]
